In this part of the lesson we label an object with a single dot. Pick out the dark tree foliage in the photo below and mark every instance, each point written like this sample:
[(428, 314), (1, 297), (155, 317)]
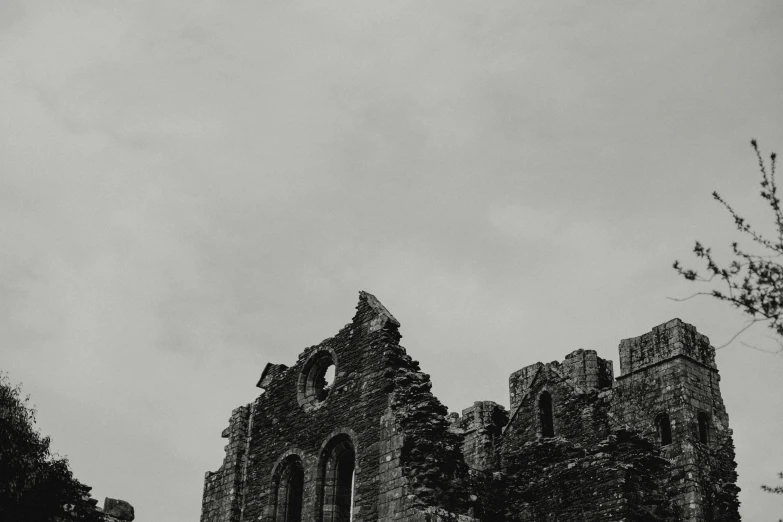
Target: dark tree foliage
[(35, 485), (752, 282)]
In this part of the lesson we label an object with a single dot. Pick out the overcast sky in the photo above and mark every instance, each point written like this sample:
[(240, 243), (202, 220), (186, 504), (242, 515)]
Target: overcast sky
[(191, 189)]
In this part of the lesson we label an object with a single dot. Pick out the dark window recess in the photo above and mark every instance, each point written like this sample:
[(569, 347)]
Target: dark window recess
[(704, 428), (288, 489), (316, 380), (545, 414), (664, 425), (337, 471)]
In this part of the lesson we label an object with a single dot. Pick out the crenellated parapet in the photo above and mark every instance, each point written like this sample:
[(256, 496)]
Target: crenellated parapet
[(666, 341), (587, 370)]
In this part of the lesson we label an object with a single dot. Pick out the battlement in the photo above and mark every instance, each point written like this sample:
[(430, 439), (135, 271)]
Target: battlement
[(479, 416), (520, 381), (582, 367), (665, 341), (587, 370), (480, 426)]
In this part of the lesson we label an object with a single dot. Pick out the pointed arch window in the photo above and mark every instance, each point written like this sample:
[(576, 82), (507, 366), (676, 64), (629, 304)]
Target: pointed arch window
[(288, 487), (545, 415), (337, 480), (704, 427), (664, 426)]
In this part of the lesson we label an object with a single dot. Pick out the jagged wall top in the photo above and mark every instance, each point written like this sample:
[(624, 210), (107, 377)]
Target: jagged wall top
[(382, 318), (583, 367)]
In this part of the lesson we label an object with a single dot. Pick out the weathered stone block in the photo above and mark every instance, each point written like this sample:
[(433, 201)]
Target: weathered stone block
[(118, 509)]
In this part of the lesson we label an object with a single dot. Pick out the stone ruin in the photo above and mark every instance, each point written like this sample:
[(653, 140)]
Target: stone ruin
[(653, 444), (117, 511), (113, 510)]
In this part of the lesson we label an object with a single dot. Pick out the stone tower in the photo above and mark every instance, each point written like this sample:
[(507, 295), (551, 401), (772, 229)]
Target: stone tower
[(668, 390)]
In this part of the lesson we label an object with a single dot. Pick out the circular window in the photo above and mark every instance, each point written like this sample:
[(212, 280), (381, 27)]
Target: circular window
[(316, 380)]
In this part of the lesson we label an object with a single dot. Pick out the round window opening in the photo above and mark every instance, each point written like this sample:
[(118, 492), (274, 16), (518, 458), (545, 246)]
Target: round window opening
[(328, 380), (316, 380)]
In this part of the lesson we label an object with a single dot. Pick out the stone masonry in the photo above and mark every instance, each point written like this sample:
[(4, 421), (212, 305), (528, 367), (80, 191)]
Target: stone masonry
[(375, 444), (117, 511)]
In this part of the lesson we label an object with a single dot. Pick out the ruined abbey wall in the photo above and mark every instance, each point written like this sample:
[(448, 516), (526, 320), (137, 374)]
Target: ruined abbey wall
[(575, 444), (378, 426)]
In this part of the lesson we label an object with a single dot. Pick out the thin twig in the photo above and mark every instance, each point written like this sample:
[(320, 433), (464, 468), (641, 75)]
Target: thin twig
[(773, 352), (751, 323)]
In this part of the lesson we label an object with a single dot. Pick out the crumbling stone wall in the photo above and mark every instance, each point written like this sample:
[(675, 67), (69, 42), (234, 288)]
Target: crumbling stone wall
[(582, 469), (431, 454), (222, 488), (481, 428), (290, 419), (379, 407), (579, 411), (620, 478), (115, 510), (576, 444)]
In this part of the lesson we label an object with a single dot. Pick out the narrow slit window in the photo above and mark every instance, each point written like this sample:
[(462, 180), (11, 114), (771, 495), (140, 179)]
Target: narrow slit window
[(704, 428), (545, 415), (664, 429)]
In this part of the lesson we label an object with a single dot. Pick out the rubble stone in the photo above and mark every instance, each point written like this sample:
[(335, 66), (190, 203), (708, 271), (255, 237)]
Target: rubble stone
[(117, 510)]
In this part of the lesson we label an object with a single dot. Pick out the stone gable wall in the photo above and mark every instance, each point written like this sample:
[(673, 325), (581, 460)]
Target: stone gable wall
[(405, 454)]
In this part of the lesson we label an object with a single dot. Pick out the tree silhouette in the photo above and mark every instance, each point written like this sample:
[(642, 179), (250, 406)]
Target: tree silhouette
[(752, 282), (35, 485)]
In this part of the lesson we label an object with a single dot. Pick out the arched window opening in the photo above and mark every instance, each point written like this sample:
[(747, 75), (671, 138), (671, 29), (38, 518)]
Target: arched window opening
[(545, 415), (704, 427), (664, 426), (337, 471), (288, 487), (316, 380)]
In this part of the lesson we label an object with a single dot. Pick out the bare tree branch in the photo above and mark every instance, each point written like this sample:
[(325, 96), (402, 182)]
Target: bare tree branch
[(752, 282), (743, 329)]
